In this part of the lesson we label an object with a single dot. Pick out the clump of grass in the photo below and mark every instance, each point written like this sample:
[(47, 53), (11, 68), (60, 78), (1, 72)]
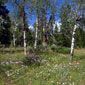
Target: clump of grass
[(5, 67)]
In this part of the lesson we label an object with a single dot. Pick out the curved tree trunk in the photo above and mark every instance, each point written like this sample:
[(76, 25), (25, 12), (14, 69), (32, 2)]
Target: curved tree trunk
[(73, 42)]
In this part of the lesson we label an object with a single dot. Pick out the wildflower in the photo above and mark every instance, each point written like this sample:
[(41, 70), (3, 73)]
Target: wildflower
[(52, 81), (77, 63), (7, 73)]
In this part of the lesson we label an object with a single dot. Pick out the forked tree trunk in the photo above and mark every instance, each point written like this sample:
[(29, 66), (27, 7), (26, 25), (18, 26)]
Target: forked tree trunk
[(73, 42), (36, 36), (24, 37)]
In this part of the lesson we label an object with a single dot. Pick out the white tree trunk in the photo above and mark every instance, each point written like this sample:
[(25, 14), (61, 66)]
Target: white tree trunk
[(73, 40), (24, 37), (14, 39), (35, 44), (36, 36)]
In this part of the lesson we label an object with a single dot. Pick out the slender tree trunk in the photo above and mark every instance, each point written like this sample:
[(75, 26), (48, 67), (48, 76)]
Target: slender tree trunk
[(24, 27), (14, 40), (44, 43), (22, 15), (73, 42), (36, 36), (24, 37)]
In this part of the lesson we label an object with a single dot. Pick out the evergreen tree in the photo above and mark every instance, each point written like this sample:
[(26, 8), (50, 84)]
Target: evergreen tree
[(5, 23)]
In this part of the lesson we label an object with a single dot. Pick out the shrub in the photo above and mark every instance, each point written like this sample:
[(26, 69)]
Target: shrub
[(63, 50), (54, 47), (41, 48), (59, 49), (32, 59)]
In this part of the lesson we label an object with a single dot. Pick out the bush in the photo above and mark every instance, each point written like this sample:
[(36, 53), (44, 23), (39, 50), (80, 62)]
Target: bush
[(58, 49), (54, 47), (41, 48), (32, 59), (64, 50)]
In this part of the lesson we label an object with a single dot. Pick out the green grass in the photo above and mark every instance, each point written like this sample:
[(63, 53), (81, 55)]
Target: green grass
[(55, 69)]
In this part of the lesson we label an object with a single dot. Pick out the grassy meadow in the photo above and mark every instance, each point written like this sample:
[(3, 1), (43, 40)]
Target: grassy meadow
[(55, 69)]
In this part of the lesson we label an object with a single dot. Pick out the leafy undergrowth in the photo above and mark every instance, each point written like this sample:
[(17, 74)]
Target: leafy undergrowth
[(55, 69)]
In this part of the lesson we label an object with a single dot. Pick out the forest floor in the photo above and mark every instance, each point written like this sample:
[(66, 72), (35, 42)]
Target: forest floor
[(55, 69)]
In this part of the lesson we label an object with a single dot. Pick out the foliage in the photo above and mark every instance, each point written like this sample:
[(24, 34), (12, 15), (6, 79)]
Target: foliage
[(80, 38), (4, 67), (68, 22), (60, 49)]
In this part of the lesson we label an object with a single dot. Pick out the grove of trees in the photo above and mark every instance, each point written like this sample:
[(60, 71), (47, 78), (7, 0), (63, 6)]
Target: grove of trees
[(15, 31)]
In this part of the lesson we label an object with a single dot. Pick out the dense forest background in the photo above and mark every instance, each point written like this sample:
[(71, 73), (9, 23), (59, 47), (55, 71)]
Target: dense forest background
[(53, 24)]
